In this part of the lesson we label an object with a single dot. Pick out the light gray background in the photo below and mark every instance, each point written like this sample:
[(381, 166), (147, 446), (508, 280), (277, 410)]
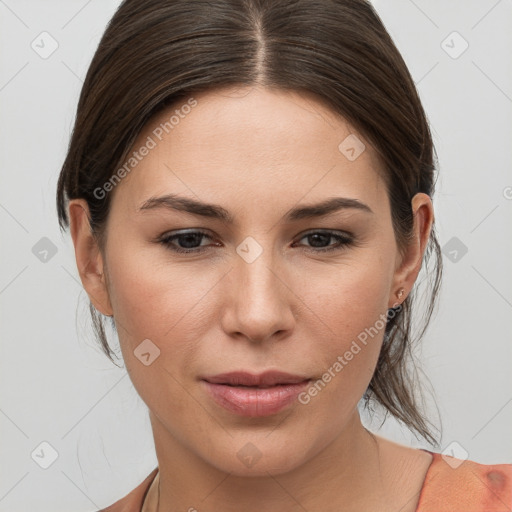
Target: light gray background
[(57, 387)]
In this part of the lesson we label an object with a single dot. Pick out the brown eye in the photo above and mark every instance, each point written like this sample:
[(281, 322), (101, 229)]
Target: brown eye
[(187, 242), (319, 239)]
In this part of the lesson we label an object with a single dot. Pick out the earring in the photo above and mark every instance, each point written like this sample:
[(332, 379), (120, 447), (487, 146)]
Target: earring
[(400, 293)]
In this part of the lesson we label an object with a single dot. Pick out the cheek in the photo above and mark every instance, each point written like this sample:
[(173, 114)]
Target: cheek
[(161, 303), (151, 296), (351, 296), (171, 304), (347, 324)]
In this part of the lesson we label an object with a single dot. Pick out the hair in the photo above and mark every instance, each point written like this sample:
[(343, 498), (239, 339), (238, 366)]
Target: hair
[(155, 53)]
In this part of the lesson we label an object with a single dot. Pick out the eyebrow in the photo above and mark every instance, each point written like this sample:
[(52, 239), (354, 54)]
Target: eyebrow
[(185, 204)]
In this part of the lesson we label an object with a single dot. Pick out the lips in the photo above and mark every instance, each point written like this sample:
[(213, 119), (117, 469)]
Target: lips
[(247, 394), (263, 380)]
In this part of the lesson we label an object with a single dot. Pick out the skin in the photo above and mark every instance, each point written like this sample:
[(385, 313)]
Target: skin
[(258, 153)]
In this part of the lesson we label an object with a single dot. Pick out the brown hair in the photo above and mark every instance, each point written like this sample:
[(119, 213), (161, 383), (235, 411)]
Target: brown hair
[(155, 53)]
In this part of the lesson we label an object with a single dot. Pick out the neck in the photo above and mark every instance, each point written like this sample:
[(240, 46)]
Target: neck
[(346, 471)]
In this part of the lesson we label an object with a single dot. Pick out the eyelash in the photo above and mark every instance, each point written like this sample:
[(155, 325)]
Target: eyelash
[(343, 241)]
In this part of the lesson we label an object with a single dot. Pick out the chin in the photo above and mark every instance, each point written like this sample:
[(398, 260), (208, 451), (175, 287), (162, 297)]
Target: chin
[(258, 455)]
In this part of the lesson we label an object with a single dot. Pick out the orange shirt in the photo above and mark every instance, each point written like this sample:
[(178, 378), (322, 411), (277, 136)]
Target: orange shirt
[(468, 487), (450, 485)]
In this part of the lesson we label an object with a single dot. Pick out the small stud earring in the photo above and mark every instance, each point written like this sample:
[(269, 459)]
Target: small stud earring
[(400, 293)]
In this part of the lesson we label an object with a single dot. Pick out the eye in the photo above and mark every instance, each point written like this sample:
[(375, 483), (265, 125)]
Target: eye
[(188, 241), (318, 239)]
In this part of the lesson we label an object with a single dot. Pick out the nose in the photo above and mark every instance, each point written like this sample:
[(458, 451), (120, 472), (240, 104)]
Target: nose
[(259, 302)]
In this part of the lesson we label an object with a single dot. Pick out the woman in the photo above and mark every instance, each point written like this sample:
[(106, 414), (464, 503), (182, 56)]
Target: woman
[(248, 189)]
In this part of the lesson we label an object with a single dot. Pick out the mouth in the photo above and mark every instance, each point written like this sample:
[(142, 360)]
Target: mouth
[(263, 380), (247, 394)]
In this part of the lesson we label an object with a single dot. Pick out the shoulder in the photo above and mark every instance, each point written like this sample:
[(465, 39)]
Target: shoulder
[(453, 485), (133, 501)]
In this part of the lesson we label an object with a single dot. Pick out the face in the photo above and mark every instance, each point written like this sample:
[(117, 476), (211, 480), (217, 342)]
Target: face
[(259, 283)]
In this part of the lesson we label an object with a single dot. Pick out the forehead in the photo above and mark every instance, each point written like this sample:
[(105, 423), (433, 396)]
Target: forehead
[(253, 143)]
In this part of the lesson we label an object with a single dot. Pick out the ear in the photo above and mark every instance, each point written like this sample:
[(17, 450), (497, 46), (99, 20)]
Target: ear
[(409, 261), (89, 259)]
